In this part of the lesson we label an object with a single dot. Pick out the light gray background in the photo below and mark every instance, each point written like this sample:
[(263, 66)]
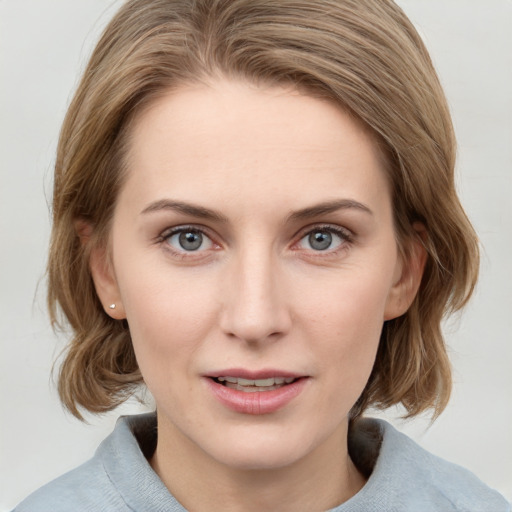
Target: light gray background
[(43, 47)]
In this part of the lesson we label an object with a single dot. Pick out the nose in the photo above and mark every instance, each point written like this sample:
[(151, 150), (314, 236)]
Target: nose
[(255, 303)]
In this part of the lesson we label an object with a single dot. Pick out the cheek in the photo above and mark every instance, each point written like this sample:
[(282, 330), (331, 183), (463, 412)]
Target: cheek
[(346, 320), (349, 305), (347, 344), (168, 315)]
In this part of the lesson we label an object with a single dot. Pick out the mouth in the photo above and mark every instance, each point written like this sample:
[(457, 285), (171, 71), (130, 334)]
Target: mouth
[(255, 392), (253, 385)]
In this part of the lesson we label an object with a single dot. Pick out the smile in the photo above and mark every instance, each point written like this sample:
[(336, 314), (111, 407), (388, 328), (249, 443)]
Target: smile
[(255, 393), (253, 386)]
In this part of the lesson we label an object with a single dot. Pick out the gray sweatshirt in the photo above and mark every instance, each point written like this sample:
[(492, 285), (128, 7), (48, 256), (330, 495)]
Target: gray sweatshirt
[(404, 477)]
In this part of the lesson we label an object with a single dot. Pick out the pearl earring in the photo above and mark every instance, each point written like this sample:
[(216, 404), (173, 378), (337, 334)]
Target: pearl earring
[(112, 306)]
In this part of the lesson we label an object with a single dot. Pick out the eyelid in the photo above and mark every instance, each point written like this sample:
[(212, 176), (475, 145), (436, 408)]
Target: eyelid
[(346, 236), (167, 233)]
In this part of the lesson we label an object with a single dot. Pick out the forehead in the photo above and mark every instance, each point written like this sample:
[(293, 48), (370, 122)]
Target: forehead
[(238, 140)]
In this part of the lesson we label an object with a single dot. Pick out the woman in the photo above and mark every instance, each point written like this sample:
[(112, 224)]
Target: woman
[(255, 216)]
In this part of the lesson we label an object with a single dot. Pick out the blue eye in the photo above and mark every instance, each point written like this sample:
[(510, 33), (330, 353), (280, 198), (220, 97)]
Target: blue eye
[(322, 239), (188, 240)]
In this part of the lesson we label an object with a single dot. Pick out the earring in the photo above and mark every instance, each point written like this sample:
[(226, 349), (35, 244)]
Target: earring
[(112, 306)]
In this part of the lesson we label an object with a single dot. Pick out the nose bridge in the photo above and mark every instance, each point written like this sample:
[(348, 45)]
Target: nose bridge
[(255, 305)]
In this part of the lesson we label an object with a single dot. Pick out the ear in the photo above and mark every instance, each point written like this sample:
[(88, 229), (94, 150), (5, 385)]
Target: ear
[(102, 273), (408, 274)]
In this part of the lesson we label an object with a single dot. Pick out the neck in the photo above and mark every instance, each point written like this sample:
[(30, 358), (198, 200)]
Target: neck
[(323, 479)]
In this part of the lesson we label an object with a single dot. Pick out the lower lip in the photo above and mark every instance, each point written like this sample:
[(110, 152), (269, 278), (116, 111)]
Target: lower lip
[(258, 402)]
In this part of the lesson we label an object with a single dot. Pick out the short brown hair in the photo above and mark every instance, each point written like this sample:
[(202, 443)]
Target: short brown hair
[(366, 56)]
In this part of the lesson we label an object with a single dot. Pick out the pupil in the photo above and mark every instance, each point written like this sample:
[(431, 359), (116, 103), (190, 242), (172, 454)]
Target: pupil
[(190, 241), (320, 240)]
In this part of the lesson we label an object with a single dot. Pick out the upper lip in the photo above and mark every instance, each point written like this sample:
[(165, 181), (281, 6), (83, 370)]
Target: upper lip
[(243, 373)]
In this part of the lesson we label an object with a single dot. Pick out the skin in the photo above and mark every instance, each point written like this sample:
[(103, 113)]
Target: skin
[(257, 294)]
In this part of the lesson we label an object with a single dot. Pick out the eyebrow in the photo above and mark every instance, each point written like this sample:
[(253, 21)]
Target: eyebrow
[(328, 207), (187, 208), (212, 215)]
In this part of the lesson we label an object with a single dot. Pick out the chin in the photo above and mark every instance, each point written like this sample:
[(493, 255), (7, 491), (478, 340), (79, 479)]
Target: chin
[(269, 458), (261, 449)]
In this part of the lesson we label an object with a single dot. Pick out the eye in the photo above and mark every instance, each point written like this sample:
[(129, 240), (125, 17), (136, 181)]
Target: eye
[(188, 240), (324, 239)]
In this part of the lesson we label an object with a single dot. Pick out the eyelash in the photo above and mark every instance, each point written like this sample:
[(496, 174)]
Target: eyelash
[(346, 237), (164, 238)]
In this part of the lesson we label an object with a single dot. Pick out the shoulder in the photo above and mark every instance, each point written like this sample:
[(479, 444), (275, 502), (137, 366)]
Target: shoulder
[(85, 488), (106, 482), (409, 478), (117, 479)]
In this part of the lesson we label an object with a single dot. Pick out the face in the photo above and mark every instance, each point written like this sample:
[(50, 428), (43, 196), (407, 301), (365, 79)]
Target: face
[(255, 260)]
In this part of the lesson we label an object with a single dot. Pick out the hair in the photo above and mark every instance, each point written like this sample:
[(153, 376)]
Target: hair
[(363, 55)]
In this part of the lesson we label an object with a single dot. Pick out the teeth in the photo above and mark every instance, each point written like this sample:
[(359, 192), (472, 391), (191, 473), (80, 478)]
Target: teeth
[(257, 382), (233, 380), (245, 382), (273, 381)]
